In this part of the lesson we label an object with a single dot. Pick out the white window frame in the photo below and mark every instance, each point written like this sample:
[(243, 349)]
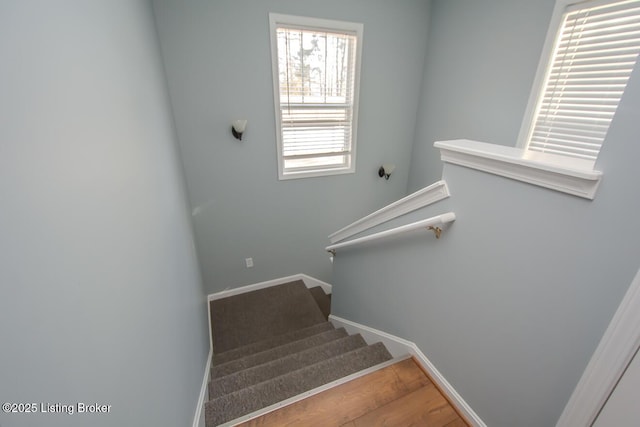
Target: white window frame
[(538, 86), (322, 25)]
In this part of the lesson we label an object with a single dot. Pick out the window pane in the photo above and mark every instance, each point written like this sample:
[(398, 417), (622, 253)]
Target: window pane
[(314, 66)]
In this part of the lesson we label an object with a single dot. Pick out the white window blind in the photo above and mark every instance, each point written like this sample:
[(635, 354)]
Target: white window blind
[(595, 51), (316, 79)]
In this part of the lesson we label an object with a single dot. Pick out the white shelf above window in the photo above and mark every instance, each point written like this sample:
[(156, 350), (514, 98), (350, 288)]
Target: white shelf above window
[(560, 173)]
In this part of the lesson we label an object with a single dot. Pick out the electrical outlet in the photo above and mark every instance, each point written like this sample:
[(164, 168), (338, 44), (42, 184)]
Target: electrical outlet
[(249, 262)]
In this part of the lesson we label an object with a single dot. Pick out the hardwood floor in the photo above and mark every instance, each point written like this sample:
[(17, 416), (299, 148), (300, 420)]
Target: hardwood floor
[(399, 395)]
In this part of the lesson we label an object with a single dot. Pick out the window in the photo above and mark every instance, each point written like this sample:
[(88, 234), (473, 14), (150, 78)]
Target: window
[(594, 51), (315, 78)]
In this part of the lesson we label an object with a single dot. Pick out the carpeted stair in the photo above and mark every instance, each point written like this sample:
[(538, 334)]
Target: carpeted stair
[(275, 343)]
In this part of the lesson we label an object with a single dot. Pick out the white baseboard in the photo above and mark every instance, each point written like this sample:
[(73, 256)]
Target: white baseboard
[(309, 282), (198, 419), (398, 347)]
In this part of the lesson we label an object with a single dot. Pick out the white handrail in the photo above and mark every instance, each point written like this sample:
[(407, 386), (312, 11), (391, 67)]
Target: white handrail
[(432, 223), (414, 201)]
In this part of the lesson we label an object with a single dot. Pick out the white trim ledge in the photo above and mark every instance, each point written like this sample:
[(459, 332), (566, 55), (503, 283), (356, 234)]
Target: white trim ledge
[(399, 347), (421, 198), (558, 173)]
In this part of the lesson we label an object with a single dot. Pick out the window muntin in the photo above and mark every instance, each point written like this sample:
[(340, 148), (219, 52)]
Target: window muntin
[(315, 88), (595, 50)]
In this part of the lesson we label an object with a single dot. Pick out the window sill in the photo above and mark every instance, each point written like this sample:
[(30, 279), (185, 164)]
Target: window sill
[(545, 170), (313, 173)]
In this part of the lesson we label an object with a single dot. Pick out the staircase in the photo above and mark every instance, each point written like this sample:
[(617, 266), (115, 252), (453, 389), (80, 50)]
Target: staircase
[(275, 343)]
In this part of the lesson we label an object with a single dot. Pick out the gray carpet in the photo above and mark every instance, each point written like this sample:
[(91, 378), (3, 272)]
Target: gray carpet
[(273, 344), (253, 316), (260, 373), (260, 346), (275, 353)]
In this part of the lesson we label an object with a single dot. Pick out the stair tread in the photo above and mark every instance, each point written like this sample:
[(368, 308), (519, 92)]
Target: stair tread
[(269, 343), (253, 316), (257, 374), (261, 395), (275, 353)]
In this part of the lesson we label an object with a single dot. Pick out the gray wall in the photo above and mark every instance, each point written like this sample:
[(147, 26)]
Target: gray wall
[(101, 294), (511, 303), (481, 60), (218, 63)]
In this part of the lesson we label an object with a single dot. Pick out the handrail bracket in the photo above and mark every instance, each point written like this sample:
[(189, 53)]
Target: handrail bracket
[(436, 230)]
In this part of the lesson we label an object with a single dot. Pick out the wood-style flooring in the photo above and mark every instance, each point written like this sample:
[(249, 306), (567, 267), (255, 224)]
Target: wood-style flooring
[(398, 395)]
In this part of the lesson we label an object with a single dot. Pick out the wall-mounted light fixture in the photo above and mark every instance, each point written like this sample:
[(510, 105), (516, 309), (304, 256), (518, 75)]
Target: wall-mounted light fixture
[(385, 170), (237, 128)]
